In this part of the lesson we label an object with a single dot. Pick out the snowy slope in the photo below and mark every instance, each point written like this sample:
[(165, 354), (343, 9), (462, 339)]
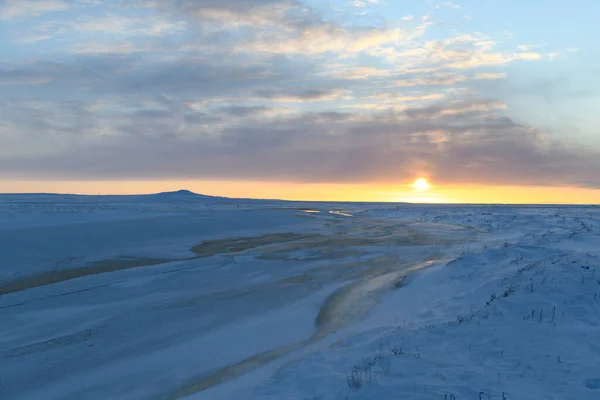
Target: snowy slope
[(511, 320), (172, 298)]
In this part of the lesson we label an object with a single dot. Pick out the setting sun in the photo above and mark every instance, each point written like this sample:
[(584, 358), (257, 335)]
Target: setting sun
[(421, 184)]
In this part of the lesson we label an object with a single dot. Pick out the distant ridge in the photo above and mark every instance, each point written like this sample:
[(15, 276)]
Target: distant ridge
[(182, 195), (181, 192)]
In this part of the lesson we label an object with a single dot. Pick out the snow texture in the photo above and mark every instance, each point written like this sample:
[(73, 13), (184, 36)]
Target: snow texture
[(178, 295)]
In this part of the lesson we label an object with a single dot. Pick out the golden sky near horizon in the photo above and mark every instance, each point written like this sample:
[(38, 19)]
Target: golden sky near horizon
[(405, 192)]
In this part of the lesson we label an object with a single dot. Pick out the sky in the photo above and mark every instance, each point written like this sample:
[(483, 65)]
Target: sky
[(489, 100)]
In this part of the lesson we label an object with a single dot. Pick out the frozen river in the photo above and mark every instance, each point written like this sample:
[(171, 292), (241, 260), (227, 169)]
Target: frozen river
[(122, 298)]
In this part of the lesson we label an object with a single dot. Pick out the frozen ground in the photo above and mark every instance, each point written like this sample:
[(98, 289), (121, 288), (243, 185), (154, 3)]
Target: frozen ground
[(177, 296)]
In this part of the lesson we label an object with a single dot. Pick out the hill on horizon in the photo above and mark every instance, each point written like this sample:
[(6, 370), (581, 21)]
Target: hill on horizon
[(182, 195)]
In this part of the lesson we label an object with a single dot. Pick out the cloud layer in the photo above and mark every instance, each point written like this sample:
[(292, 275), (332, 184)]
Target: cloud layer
[(263, 89)]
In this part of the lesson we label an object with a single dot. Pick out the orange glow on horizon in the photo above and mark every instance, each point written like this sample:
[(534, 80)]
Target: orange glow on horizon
[(322, 191)]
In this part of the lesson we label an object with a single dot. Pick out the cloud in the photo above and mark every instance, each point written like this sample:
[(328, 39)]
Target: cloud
[(388, 97), (325, 38), (10, 9), (358, 4), (451, 141), (281, 26), (24, 80), (491, 75), (346, 72), (238, 13), (203, 78), (529, 47), (451, 5), (438, 79), (293, 96), (33, 38), (127, 26), (264, 89), (462, 51), (13, 75)]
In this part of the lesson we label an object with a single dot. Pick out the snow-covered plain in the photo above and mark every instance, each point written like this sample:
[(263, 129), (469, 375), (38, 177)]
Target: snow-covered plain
[(183, 296)]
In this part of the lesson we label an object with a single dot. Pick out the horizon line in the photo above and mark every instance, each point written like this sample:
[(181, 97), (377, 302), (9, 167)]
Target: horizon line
[(189, 192)]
